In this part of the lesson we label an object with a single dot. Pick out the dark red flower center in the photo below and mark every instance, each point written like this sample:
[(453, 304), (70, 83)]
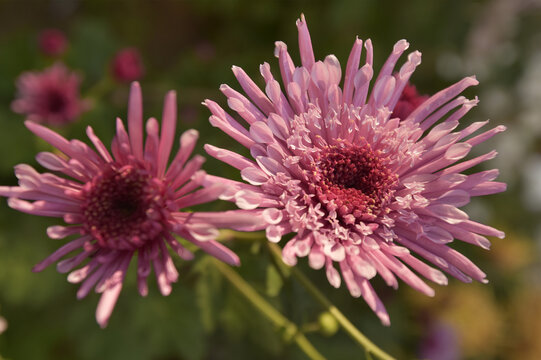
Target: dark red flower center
[(55, 102), (352, 180), (124, 207), (409, 100)]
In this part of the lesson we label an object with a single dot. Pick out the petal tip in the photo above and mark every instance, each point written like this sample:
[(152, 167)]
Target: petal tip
[(473, 80), (301, 20), (171, 95)]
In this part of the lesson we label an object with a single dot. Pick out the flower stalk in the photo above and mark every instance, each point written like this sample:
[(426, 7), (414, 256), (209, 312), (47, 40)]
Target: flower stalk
[(350, 329), (268, 310)]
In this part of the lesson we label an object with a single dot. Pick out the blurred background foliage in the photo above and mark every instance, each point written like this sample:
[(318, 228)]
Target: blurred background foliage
[(189, 46)]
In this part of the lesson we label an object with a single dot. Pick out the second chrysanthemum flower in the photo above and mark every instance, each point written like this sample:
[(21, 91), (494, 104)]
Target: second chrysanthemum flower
[(361, 189), (123, 204)]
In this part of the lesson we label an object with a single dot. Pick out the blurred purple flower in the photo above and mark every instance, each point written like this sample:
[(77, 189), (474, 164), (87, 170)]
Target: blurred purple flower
[(409, 100), (440, 343), (52, 42), (357, 186), (124, 204), (205, 51), (189, 114), (50, 96), (127, 65)]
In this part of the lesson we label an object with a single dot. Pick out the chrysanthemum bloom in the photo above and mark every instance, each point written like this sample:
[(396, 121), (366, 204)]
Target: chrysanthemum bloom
[(50, 96), (52, 42), (127, 65), (361, 190), (123, 204)]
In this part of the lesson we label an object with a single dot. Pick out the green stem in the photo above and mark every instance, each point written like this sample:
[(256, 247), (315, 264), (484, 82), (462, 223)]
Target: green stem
[(226, 234), (352, 331), (268, 311), (310, 327)]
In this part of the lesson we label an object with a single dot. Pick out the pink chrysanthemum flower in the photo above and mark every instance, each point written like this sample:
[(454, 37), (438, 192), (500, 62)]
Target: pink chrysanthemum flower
[(362, 190), (127, 65), (124, 204), (50, 97)]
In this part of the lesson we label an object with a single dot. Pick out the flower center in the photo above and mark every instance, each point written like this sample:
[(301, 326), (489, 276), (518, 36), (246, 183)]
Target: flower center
[(55, 102), (353, 181), (124, 207)]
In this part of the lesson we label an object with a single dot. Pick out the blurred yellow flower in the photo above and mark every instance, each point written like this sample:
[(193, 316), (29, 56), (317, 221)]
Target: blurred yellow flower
[(525, 329)]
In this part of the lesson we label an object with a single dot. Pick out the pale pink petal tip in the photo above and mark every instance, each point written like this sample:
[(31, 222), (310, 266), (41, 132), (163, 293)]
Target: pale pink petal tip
[(235, 261), (135, 86), (32, 126), (472, 79), (301, 21), (401, 46), (279, 46), (385, 319), (171, 96), (106, 305)]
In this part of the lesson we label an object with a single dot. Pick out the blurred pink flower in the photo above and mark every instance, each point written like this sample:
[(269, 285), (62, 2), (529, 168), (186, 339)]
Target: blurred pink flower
[(124, 204), (127, 65), (409, 100), (50, 96), (358, 187), (52, 42)]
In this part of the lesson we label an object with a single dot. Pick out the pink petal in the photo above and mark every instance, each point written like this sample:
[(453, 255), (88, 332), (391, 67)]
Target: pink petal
[(351, 69), (107, 303), (135, 120), (305, 44), (169, 120)]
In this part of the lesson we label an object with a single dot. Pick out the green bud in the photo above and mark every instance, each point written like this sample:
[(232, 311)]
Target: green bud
[(328, 324)]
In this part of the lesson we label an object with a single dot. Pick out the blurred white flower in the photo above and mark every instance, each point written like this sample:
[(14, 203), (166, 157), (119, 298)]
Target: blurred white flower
[(531, 195), (3, 325)]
